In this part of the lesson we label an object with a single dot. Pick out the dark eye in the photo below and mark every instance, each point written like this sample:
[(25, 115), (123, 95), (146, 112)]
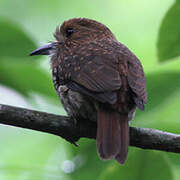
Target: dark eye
[(69, 31)]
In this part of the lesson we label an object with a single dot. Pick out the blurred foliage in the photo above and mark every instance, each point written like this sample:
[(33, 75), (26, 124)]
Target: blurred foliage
[(142, 165), (14, 41), (169, 34), (27, 154), (25, 77)]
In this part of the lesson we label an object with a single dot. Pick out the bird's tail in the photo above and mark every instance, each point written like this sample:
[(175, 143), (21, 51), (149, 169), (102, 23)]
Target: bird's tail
[(112, 135)]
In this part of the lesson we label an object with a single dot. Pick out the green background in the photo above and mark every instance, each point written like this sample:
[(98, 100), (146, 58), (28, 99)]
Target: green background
[(151, 29)]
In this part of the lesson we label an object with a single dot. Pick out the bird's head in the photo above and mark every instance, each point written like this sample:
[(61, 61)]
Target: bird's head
[(75, 32)]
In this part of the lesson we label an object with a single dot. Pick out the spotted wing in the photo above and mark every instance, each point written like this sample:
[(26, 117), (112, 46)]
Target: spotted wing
[(99, 78)]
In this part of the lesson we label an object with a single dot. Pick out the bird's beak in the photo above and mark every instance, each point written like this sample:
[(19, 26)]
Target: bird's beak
[(44, 50)]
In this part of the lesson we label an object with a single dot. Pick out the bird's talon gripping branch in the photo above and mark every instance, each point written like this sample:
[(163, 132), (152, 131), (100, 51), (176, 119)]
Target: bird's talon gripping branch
[(75, 144), (73, 140)]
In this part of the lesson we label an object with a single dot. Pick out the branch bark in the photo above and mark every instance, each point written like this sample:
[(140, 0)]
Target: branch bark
[(66, 128)]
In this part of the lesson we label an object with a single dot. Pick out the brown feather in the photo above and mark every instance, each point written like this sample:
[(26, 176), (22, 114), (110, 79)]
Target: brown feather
[(137, 81), (124, 139), (92, 74), (112, 135), (108, 136)]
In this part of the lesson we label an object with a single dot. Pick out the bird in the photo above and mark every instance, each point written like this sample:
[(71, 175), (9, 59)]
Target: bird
[(98, 79)]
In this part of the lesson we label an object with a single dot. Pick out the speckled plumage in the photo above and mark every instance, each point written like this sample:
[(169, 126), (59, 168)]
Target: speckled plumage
[(99, 79)]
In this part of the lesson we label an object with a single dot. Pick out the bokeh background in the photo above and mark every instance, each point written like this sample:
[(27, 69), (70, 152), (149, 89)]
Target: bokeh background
[(151, 29)]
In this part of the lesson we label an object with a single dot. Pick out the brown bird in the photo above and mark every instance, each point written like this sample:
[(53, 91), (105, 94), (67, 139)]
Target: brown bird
[(99, 79)]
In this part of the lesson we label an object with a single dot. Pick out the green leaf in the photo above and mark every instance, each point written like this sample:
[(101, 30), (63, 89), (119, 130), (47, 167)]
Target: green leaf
[(168, 44), (14, 41), (141, 165), (26, 77), (160, 86)]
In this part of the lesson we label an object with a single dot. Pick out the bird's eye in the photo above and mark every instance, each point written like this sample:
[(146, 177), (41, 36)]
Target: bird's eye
[(69, 31)]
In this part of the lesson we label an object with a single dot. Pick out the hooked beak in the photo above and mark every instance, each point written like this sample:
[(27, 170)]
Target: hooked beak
[(44, 50)]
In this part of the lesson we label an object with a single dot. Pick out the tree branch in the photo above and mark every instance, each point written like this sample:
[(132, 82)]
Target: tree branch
[(66, 128)]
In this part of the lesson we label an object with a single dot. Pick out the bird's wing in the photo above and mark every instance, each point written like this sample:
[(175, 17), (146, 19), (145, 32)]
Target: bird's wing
[(137, 82), (99, 74), (98, 77)]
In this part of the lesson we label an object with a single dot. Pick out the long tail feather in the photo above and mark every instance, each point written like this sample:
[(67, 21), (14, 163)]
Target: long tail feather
[(112, 135), (124, 130)]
